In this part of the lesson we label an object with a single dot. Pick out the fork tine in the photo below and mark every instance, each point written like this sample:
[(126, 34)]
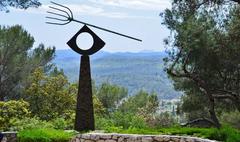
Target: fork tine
[(57, 14), (56, 18), (59, 10), (64, 7), (65, 12), (52, 23)]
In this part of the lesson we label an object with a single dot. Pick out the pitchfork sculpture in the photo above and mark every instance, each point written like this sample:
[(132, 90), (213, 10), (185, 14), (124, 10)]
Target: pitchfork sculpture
[(84, 119)]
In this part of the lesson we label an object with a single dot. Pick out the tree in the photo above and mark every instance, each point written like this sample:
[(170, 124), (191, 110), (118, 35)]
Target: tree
[(22, 4), (50, 96), (150, 108), (142, 103), (18, 60), (110, 96), (98, 106), (205, 50)]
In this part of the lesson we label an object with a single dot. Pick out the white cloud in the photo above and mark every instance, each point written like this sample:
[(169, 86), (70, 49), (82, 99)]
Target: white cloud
[(77, 9), (104, 8), (137, 4)]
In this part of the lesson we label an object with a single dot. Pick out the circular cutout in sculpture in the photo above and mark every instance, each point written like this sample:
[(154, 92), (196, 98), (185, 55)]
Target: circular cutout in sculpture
[(85, 41)]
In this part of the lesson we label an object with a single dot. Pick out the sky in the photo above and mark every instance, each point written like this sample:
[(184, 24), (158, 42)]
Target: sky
[(136, 18)]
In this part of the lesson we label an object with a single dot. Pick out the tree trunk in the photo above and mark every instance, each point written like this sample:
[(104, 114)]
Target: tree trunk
[(212, 111), (84, 120)]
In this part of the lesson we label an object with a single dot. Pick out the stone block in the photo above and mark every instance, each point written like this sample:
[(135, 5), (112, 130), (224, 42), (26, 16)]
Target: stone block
[(147, 139), (110, 141)]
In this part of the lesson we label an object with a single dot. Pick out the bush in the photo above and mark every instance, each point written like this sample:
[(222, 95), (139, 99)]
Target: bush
[(127, 120), (102, 123), (231, 118), (226, 134), (62, 124), (29, 123), (36, 123), (12, 110), (44, 135), (162, 120), (120, 120)]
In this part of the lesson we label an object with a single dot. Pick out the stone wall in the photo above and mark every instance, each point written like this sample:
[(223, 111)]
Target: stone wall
[(100, 137), (9, 137)]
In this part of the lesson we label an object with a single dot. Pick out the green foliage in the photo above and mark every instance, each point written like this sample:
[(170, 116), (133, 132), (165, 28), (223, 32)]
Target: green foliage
[(62, 124), (98, 106), (141, 103), (23, 4), (110, 96), (124, 116), (12, 110), (231, 118), (194, 106), (29, 123), (18, 60), (50, 97), (148, 111), (127, 120), (44, 135), (102, 123), (121, 120), (226, 133), (35, 123), (162, 120), (203, 55)]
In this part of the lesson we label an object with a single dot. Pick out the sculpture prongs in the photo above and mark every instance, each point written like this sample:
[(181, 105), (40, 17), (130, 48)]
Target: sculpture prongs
[(63, 13), (65, 16)]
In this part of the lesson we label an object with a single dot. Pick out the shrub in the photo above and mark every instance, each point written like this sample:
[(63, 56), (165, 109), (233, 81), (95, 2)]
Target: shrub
[(162, 120), (119, 120), (62, 124), (102, 123), (36, 123), (53, 93), (231, 118), (12, 110), (29, 123), (127, 120), (44, 135), (226, 134)]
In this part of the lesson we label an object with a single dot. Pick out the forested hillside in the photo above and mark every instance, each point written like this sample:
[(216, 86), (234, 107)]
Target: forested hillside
[(134, 71)]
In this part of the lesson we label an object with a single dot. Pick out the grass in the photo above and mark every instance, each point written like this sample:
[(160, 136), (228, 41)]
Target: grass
[(44, 135), (226, 133)]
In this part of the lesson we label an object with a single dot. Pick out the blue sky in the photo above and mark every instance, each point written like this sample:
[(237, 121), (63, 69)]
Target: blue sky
[(137, 18)]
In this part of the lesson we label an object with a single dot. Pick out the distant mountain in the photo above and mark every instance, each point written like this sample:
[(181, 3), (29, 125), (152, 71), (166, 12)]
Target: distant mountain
[(134, 71)]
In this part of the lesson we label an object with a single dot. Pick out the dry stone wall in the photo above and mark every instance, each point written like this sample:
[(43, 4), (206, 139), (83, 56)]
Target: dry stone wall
[(9, 137), (100, 137)]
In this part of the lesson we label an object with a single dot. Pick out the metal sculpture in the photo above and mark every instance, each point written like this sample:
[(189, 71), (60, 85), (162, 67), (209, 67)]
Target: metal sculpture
[(84, 119)]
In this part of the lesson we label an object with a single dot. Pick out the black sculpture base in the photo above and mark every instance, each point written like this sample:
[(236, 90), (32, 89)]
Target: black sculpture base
[(84, 119)]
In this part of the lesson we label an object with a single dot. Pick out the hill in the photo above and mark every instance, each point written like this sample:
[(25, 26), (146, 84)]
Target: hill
[(134, 71)]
